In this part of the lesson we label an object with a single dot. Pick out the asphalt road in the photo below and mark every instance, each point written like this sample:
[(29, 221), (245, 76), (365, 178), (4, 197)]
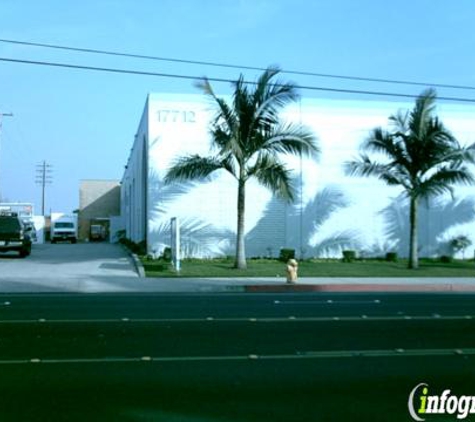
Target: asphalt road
[(230, 357)]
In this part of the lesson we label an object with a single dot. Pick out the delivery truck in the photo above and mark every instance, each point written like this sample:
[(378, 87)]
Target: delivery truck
[(64, 228)]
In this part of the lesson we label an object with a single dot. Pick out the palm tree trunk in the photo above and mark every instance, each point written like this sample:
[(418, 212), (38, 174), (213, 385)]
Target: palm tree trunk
[(240, 245), (413, 244)]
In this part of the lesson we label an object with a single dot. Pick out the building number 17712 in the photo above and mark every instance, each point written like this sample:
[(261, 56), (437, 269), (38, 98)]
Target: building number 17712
[(176, 116)]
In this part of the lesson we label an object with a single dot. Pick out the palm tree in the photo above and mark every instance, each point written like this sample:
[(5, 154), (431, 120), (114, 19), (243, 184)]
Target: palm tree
[(437, 218), (248, 138), (422, 157)]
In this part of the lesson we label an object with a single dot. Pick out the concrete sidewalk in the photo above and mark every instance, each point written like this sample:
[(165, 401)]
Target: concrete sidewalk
[(126, 284), (325, 284)]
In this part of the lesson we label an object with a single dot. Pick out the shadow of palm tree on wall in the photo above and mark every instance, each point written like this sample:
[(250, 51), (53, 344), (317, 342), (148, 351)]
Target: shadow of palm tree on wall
[(198, 238), (290, 226), (436, 218)]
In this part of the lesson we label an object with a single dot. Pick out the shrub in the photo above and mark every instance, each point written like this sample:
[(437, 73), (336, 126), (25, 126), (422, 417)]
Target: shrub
[(391, 257), (141, 248), (120, 235), (446, 259), (136, 248), (349, 255), (126, 242), (286, 254), (167, 254)]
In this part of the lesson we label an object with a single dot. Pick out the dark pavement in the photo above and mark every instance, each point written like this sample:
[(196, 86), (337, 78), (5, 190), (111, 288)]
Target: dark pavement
[(230, 357)]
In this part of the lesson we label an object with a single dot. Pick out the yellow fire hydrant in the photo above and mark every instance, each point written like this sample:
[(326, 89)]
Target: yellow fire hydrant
[(292, 268)]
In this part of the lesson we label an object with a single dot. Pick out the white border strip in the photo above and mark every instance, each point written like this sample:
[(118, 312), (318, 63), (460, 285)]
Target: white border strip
[(332, 354), (356, 318)]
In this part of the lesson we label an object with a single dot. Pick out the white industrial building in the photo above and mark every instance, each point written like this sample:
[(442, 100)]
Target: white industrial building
[(333, 211)]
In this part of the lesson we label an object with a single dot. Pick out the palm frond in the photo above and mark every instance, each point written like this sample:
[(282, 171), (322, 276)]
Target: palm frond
[(390, 174), (292, 139), (363, 166), (192, 167), (269, 98), (399, 121), (272, 174), (243, 108), (204, 85), (230, 165), (457, 155), (437, 134), (436, 146), (226, 142), (466, 154), (225, 116), (422, 112), (390, 145), (442, 180), (225, 122)]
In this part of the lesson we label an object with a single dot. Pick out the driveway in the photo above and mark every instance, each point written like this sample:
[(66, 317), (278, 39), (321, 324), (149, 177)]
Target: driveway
[(82, 267)]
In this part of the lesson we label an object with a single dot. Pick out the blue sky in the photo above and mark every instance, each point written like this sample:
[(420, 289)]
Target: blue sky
[(83, 122)]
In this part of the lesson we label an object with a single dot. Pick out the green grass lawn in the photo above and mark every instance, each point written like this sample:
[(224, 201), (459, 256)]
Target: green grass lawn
[(313, 268)]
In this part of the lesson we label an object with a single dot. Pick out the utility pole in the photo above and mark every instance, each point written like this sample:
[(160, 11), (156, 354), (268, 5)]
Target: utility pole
[(43, 177), (2, 115)]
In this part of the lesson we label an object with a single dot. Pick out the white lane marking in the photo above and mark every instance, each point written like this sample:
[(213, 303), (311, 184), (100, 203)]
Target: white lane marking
[(240, 319), (327, 302), (391, 352), (324, 354)]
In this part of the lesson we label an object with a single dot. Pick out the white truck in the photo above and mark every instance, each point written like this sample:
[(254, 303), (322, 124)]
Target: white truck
[(64, 228), (97, 232)]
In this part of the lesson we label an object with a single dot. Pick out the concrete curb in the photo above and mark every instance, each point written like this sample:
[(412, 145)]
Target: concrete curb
[(136, 261), (138, 265), (401, 288)]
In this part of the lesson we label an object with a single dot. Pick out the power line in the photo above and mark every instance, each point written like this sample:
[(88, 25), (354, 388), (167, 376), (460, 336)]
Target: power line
[(214, 79), (233, 66)]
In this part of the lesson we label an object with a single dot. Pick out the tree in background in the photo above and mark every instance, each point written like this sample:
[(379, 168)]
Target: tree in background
[(421, 156), (460, 243), (248, 139)]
